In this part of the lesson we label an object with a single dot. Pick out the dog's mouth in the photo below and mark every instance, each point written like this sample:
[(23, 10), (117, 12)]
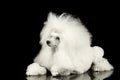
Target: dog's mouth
[(49, 45), (52, 46)]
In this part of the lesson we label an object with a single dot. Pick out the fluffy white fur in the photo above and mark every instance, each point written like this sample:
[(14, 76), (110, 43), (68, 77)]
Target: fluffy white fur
[(66, 48)]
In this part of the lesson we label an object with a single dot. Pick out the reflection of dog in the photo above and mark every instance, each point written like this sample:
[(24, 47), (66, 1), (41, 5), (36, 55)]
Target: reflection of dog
[(85, 76), (66, 49)]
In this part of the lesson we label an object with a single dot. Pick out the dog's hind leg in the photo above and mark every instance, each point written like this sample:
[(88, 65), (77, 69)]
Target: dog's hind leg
[(100, 63)]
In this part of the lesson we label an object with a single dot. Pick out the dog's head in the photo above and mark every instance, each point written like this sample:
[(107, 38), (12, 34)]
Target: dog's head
[(53, 40)]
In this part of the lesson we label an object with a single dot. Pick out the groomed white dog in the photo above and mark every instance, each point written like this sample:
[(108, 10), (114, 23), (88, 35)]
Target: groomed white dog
[(66, 49)]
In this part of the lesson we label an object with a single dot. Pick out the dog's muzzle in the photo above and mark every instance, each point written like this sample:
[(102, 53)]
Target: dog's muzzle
[(48, 43)]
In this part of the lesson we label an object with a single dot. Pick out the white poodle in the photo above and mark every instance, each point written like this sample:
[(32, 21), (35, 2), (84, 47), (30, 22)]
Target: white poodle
[(66, 49)]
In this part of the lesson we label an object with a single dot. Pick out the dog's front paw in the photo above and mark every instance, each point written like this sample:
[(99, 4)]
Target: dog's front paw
[(35, 69), (54, 71)]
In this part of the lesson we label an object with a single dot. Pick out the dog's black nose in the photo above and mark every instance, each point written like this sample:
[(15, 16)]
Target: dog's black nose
[(48, 42)]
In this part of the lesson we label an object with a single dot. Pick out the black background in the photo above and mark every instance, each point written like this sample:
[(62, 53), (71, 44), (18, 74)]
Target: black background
[(25, 21)]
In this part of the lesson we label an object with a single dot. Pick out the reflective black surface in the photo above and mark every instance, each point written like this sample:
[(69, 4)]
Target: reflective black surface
[(85, 76)]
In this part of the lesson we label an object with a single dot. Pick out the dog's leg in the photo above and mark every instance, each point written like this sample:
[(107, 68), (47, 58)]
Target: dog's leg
[(35, 69), (100, 63), (54, 70), (64, 72)]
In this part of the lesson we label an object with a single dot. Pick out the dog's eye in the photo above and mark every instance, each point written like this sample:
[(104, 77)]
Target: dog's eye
[(57, 38)]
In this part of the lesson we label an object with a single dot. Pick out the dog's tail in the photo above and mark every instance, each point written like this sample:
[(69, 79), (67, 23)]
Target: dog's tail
[(98, 53)]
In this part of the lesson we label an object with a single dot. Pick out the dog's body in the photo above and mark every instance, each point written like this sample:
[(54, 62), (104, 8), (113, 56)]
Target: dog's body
[(66, 49)]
